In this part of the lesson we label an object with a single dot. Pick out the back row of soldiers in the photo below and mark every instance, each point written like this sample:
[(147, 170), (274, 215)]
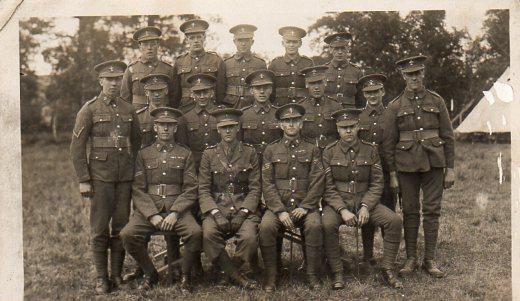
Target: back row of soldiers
[(301, 151)]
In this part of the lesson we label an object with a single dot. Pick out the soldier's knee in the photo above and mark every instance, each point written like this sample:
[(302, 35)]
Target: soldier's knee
[(210, 233), (396, 222), (330, 225), (314, 226)]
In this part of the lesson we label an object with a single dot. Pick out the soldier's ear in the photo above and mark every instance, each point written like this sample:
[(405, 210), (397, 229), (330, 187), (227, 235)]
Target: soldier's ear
[(100, 81), (155, 127)]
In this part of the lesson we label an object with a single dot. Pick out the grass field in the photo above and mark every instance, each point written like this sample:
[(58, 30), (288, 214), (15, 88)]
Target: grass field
[(474, 245)]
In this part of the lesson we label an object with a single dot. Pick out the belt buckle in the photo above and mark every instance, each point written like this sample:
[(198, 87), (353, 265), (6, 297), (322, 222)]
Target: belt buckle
[(338, 95), (161, 189), (116, 142), (291, 92), (240, 90)]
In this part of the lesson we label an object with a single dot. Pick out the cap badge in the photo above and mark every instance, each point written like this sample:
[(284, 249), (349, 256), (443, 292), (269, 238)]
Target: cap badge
[(155, 79), (193, 24), (111, 68), (261, 76)]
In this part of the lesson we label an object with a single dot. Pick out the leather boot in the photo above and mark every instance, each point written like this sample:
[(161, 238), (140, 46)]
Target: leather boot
[(313, 256), (187, 263), (149, 281), (270, 257), (430, 266), (338, 282), (186, 284), (409, 266), (198, 271), (136, 273), (391, 279), (232, 272), (102, 285), (117, 258)]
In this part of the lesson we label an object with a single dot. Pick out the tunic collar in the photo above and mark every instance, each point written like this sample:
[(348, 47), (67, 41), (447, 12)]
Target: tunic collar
[(246, 56), (415, 95), (161, 146), (345, 146), (295, 59)]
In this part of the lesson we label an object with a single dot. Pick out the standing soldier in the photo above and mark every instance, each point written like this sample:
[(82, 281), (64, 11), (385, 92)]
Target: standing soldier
[(156, 92), (112, 126), (371, 131), (419, 150), (354, 183), (240, 65), (164, 192), (132, 89), (288, 82), (292, 185), (342, 76), (229, 189), (197, 128), (318, 124), (259, 125), (197, 60)]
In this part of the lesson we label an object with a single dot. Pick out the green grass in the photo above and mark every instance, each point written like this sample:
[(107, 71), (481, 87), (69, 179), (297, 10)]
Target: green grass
[(474, 244)]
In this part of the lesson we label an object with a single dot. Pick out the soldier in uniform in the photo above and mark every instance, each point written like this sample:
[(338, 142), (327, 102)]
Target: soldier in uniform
[(132, 89), (197, 127), (371, 131), (240, 65), (229, 191), (156, 92), (292, 186), (342, 76), (318, 124), (164, 191), (354, 183), (112, 126), (419, 149), (197, 60), (288, 82), (259, 125)]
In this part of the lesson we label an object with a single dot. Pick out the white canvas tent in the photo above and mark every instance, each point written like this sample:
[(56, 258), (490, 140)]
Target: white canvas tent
[(492, 114)]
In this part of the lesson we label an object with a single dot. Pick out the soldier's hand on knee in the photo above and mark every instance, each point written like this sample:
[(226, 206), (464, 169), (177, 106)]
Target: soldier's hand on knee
[(85, 189), (363, 216), (449, 178), (286, 220), (394, 183), (238, 220), (299, 213), (222, 222), (156, 221), (169, 222), (349, 219)]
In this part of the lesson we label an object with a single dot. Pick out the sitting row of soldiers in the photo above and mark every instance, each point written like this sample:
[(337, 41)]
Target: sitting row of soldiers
[(213, 165)]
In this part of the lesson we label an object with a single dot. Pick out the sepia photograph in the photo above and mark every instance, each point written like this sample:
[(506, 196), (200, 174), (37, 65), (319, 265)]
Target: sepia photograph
[(267, 151)]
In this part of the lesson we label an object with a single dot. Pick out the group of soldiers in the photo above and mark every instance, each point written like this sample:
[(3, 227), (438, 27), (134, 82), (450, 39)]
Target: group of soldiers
[(210, 149)]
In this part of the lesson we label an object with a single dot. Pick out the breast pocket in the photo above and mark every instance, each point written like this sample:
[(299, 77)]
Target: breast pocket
[(176, 169), (243, 172), (281, 166), (232, 72), (304, 164), (153, 174), (405, 117), (101, 124), (350, 87), (136, 86), (210, 69), (362, 170), (340, 169), (281, 73), (192, 126), (430, 114)]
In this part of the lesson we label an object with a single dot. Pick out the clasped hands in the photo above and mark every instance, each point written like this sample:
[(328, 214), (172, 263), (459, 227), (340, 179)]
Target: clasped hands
[(288, 220)]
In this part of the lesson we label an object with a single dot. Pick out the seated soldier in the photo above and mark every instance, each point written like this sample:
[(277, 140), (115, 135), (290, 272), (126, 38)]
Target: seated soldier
[(292, 185), (354, 183), (164, 192), (229, 189)]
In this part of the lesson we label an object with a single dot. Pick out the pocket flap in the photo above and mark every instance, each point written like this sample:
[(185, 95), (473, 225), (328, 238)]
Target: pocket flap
[(183, 69), (273, 125), (338, 162), (176, 162), (101, 118), (304, 157), (99, 156), (210, 69), (310, 117), (151, 164), (404, 145), (279, 158), (249, 125), (405, 111), (364, 127), (127, 118), (192, 126), (430, 108), (364, 161), (437, 141), (281, 72)]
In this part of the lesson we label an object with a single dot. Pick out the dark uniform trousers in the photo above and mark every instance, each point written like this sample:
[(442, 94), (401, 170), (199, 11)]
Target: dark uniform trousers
[(419, 143), (112, 127), (354, 177), (229, 180), (271, 227)]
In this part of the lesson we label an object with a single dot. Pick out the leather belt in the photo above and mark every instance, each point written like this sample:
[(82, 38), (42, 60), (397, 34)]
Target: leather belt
[(292, 184), (230, 189), (351, 187), (238, 90), (111, 142), (291, 92), (416, 135), (164, 189)]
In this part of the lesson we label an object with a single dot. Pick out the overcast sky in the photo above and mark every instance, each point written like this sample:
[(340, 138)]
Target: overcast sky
[(267, 40)]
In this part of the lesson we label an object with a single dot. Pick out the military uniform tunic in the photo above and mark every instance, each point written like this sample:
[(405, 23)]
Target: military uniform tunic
[(259, 126), (206, 62), (318, 124), (198, 130), (229, 182), (165, 181), (112, 127), (289, 83), (132, 90), (419, 144), (146, 122), (354, 177), (238, 67), (292, 176), (342, 79)]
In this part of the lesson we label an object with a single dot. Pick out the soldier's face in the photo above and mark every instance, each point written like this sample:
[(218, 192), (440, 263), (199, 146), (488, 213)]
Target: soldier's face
[(228, 133), (196, 41), (339, 53), (262, 93), (157, 97), (243, 45), (291, 46), (374, 98), (111, 85), (316, 89), (414, 80), (291, 126), (348, 133), (203, 97), (149, 49), (165, 130)]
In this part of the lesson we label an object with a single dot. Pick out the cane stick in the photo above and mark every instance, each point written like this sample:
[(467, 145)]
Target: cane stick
[(357, 251)]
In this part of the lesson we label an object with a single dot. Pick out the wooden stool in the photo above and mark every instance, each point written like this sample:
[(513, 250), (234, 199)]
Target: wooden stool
[(172, 252)]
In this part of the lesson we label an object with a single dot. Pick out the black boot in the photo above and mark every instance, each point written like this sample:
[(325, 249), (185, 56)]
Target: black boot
[(102, 285), (270, 257), (149, 281), (232, 272), (338, 282), (313, 256)]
